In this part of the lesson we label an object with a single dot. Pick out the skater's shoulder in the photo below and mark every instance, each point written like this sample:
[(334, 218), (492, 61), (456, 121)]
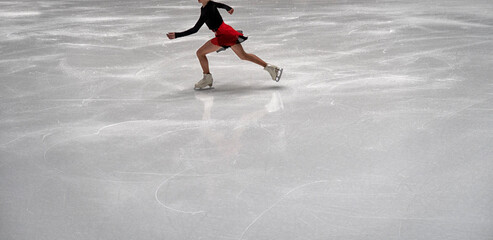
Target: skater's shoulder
[(209, 4), (214, 4)]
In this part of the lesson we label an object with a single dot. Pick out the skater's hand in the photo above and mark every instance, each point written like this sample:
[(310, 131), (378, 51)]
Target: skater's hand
[(171, 35), (231, 11)]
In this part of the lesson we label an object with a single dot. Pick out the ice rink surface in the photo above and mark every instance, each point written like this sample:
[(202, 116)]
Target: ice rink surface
[(381, 127)]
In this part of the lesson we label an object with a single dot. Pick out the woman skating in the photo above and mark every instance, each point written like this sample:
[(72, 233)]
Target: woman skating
[(226, 37)]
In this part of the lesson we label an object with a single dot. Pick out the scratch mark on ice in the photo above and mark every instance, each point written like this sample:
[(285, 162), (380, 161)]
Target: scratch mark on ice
[(164, 204), (120, 123), (276, 203)]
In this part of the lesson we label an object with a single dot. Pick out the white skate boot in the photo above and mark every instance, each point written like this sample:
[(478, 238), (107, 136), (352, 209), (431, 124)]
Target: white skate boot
[(274, 71), (206, 81)]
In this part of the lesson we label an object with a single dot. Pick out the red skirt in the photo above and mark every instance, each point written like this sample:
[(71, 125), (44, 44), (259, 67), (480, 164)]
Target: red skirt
[(226, 36)]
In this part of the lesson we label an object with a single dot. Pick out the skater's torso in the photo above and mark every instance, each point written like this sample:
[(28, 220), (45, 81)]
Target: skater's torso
[(208, 15), (211, 15)]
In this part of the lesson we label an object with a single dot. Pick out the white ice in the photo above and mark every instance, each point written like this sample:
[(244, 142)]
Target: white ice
[(381, 127)]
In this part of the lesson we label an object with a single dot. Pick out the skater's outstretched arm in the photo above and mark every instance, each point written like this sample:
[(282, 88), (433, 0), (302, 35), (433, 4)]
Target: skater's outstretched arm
[(190, 31)]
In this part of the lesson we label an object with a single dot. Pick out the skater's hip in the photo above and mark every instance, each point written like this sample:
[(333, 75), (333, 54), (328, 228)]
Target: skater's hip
[(215, 30), (227, 36), (223, 28)]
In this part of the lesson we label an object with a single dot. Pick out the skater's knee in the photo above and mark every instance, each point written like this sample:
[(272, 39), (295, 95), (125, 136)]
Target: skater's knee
[(199, 53)]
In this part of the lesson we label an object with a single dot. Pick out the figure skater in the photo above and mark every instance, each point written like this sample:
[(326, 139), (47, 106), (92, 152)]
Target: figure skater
[(226, 37)]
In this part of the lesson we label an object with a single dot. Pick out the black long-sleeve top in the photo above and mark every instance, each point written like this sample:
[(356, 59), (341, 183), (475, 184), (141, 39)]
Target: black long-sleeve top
[(208, 15)]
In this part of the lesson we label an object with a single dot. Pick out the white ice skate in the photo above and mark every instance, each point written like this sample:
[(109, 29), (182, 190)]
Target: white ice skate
[(206, 81), (274, 71)]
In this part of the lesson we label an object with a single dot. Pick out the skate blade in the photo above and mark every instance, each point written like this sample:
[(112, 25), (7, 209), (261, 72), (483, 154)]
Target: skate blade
[(203, 89), (279, 75)]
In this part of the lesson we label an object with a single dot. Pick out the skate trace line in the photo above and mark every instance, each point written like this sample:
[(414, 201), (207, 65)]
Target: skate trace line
[(121, 123), (164, 204), (98, 132), (276, 203)]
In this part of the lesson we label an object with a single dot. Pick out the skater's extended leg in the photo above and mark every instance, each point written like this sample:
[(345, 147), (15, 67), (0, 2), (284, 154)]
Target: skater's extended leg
[(207, 48), (274, 71), (240, 52)]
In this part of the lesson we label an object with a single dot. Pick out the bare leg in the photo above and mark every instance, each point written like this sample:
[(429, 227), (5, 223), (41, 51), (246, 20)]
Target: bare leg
[(207, 48), (238, 49)]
